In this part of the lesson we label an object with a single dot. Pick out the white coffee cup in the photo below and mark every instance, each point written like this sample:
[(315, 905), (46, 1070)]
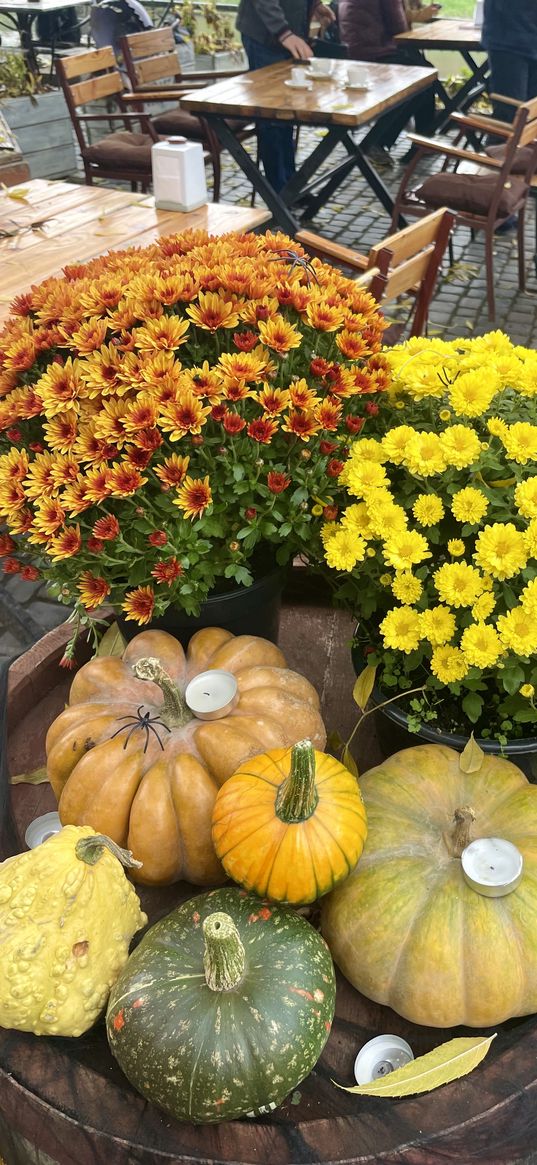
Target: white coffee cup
[(357, 74), (299, 77), (321, 66)]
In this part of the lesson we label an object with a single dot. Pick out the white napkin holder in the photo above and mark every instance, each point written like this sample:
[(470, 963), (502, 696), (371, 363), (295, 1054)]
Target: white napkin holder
[(178, 174)]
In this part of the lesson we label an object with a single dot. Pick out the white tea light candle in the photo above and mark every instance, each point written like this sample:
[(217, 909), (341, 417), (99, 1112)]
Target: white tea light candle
[(212, 694), (492, 866), (42, 828), (380, 1056)]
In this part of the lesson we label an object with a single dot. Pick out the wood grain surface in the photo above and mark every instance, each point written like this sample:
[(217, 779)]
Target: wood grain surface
[(443, 34), (52, 224), (70, 1099), (264, 93)]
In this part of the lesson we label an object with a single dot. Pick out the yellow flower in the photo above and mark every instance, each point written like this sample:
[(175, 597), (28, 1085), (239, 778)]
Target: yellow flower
[(483, 607), (406, 549), (526, 497), (517, 632), (278, 334), (461, 446), (385, 580), (355, 519), (471, 393), (437, 625), (428, 510), (425, 455), (481, 645), (458, 584), (527, 690), (528, 598), (500, 550), (395, 443), (406, 587), (385, 518), (368, 449), (327, 531), (469, 505), (520, 441), (497, 427), (444, 414), (364, 477), (448, 664), (456, 547), (344, 549), (530, 538), (400, 629)]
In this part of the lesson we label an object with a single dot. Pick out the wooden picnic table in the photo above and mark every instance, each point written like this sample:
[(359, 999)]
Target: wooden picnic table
[(459, 36), (339, 110), (44, 225)]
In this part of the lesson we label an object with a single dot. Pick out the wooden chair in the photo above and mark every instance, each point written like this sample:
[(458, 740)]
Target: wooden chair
[(152, 66), (405, 262), (483, 191), (123, 154)]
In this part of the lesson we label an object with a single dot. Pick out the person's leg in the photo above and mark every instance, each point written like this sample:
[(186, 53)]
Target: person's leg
[(386, 130), (532, 81), (275, 138), (509, 76)]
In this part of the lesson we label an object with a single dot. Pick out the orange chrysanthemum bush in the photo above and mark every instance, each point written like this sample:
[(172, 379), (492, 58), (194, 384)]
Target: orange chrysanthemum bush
[(164, 411)]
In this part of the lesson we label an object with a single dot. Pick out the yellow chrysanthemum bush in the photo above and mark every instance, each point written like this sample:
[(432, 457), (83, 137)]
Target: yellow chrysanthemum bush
[(436, 549), (165, 411)]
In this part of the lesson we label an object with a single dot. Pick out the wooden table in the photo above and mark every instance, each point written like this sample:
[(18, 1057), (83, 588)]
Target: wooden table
[(263, 95), (70, 1099), (44, 225), (460, 36), (22, 13)]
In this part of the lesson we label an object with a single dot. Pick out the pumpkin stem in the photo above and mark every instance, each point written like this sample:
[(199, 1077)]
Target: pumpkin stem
[(223, 958), (297, 796), (90, 849), (459, 837), (174, 712)]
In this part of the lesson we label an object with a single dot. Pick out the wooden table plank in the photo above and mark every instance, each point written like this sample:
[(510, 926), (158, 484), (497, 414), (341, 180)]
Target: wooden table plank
[(264, 93), (84, 221), (443, 34)]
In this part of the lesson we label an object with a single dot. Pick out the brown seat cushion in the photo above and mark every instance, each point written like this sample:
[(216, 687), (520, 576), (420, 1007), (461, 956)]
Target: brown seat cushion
[(523, 156), (179, 121), (122, 150), (472, 193)]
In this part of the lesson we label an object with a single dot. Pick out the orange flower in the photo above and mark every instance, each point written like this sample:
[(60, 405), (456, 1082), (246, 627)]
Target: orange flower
[(60, 386), (279, 335), (14, 465), (20, 355), (124, 480), (328, 414), (324, 318), (213, 311), (92, 589), (273, 400), (139, 604), (302, 424), (142, 413), (259, 309), (102, 371), (60, 433), (167, 571), (89, 336), (233, 423), (242, 366), (204, 381), (49, 515), (66, 544), (75, 498), (7, 545), (106, 528), (164, 334), (262, 430), (302, 396), (278, 482), (97, 483), (172, 472), (184, 415), (194, 496), (351, 344)]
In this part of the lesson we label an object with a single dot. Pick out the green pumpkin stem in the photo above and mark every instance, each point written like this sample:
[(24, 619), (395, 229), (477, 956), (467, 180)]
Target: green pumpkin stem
[(174, 712), (90, 849), (297, 796), (223, 958), (459, 836)]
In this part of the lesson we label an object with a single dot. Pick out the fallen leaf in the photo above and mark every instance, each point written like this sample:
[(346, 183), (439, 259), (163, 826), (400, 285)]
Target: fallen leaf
[(112, 642), (38, 777), (447, 1062), (364, 686), (18, 195), (471, 757), (348, 760)]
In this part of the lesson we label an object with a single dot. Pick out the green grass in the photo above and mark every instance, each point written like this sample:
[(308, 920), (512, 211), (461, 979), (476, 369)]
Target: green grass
[(463, 8)]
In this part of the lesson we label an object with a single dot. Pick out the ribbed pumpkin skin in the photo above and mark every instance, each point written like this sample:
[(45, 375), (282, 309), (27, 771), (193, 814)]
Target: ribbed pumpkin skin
[(207, 1056), (158, 802), (405, 928), (298, 862)]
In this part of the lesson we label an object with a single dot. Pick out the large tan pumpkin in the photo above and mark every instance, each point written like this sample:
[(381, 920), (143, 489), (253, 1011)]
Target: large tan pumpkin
[(152, 790), (405, 927)]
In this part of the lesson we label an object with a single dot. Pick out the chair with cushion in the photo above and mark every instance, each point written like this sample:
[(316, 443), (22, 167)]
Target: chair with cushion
[(154, 72), (123, 154), (483, 188), (406, 262)]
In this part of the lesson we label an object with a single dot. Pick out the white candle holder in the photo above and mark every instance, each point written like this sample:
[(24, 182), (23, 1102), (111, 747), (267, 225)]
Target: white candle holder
[(42, 828), (492, 866), (380, 1056), (212, 694)]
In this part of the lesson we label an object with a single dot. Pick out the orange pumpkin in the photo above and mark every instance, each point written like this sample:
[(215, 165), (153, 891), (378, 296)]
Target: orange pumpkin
[(290, 824), (152, 789)]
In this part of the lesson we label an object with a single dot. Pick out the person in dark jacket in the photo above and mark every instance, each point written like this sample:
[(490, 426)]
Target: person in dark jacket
[(277, 30), (368, 28), (510, 37)]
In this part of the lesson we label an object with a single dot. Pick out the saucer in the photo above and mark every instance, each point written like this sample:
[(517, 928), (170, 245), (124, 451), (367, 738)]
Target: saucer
[(358, 86), (297, 85), (320, 76)]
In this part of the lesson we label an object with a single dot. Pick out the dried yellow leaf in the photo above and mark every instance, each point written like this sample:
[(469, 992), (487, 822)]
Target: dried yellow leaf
[(448, 1062)]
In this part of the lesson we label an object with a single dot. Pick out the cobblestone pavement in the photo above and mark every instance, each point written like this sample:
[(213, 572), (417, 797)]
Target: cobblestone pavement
[(354, 217)]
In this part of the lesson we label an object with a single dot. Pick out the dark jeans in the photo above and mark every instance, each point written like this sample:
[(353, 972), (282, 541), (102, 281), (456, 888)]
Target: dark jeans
[(514, 76), (275, 138), (389, 125)]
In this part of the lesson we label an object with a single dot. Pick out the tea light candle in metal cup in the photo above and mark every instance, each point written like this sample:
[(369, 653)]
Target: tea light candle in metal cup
[(380, 1056), (492, 866), (212, 694), (41, 829)]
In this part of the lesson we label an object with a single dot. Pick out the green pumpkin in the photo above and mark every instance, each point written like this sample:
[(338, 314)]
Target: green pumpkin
[(223, 1008)]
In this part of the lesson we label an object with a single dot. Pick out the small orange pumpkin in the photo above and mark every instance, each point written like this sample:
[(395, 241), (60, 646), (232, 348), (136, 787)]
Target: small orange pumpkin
[(290, 824), (128, 758)]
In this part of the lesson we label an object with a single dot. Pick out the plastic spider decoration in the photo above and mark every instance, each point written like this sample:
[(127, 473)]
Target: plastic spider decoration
[(296, 260), (146, 723)]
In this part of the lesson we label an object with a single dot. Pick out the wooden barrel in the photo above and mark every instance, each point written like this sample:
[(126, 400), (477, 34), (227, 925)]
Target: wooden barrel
[(69, 1099)]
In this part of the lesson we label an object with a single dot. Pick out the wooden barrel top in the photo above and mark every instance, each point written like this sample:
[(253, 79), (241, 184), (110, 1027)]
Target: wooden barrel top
[(70, 1099)]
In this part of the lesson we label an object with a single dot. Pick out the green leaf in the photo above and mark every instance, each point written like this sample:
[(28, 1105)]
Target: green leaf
[(37, 777), (364, 686), (512, 678), (112, 642), (348, 760), (448, 1062), (471, 757), (334, 741), (472, 706)]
